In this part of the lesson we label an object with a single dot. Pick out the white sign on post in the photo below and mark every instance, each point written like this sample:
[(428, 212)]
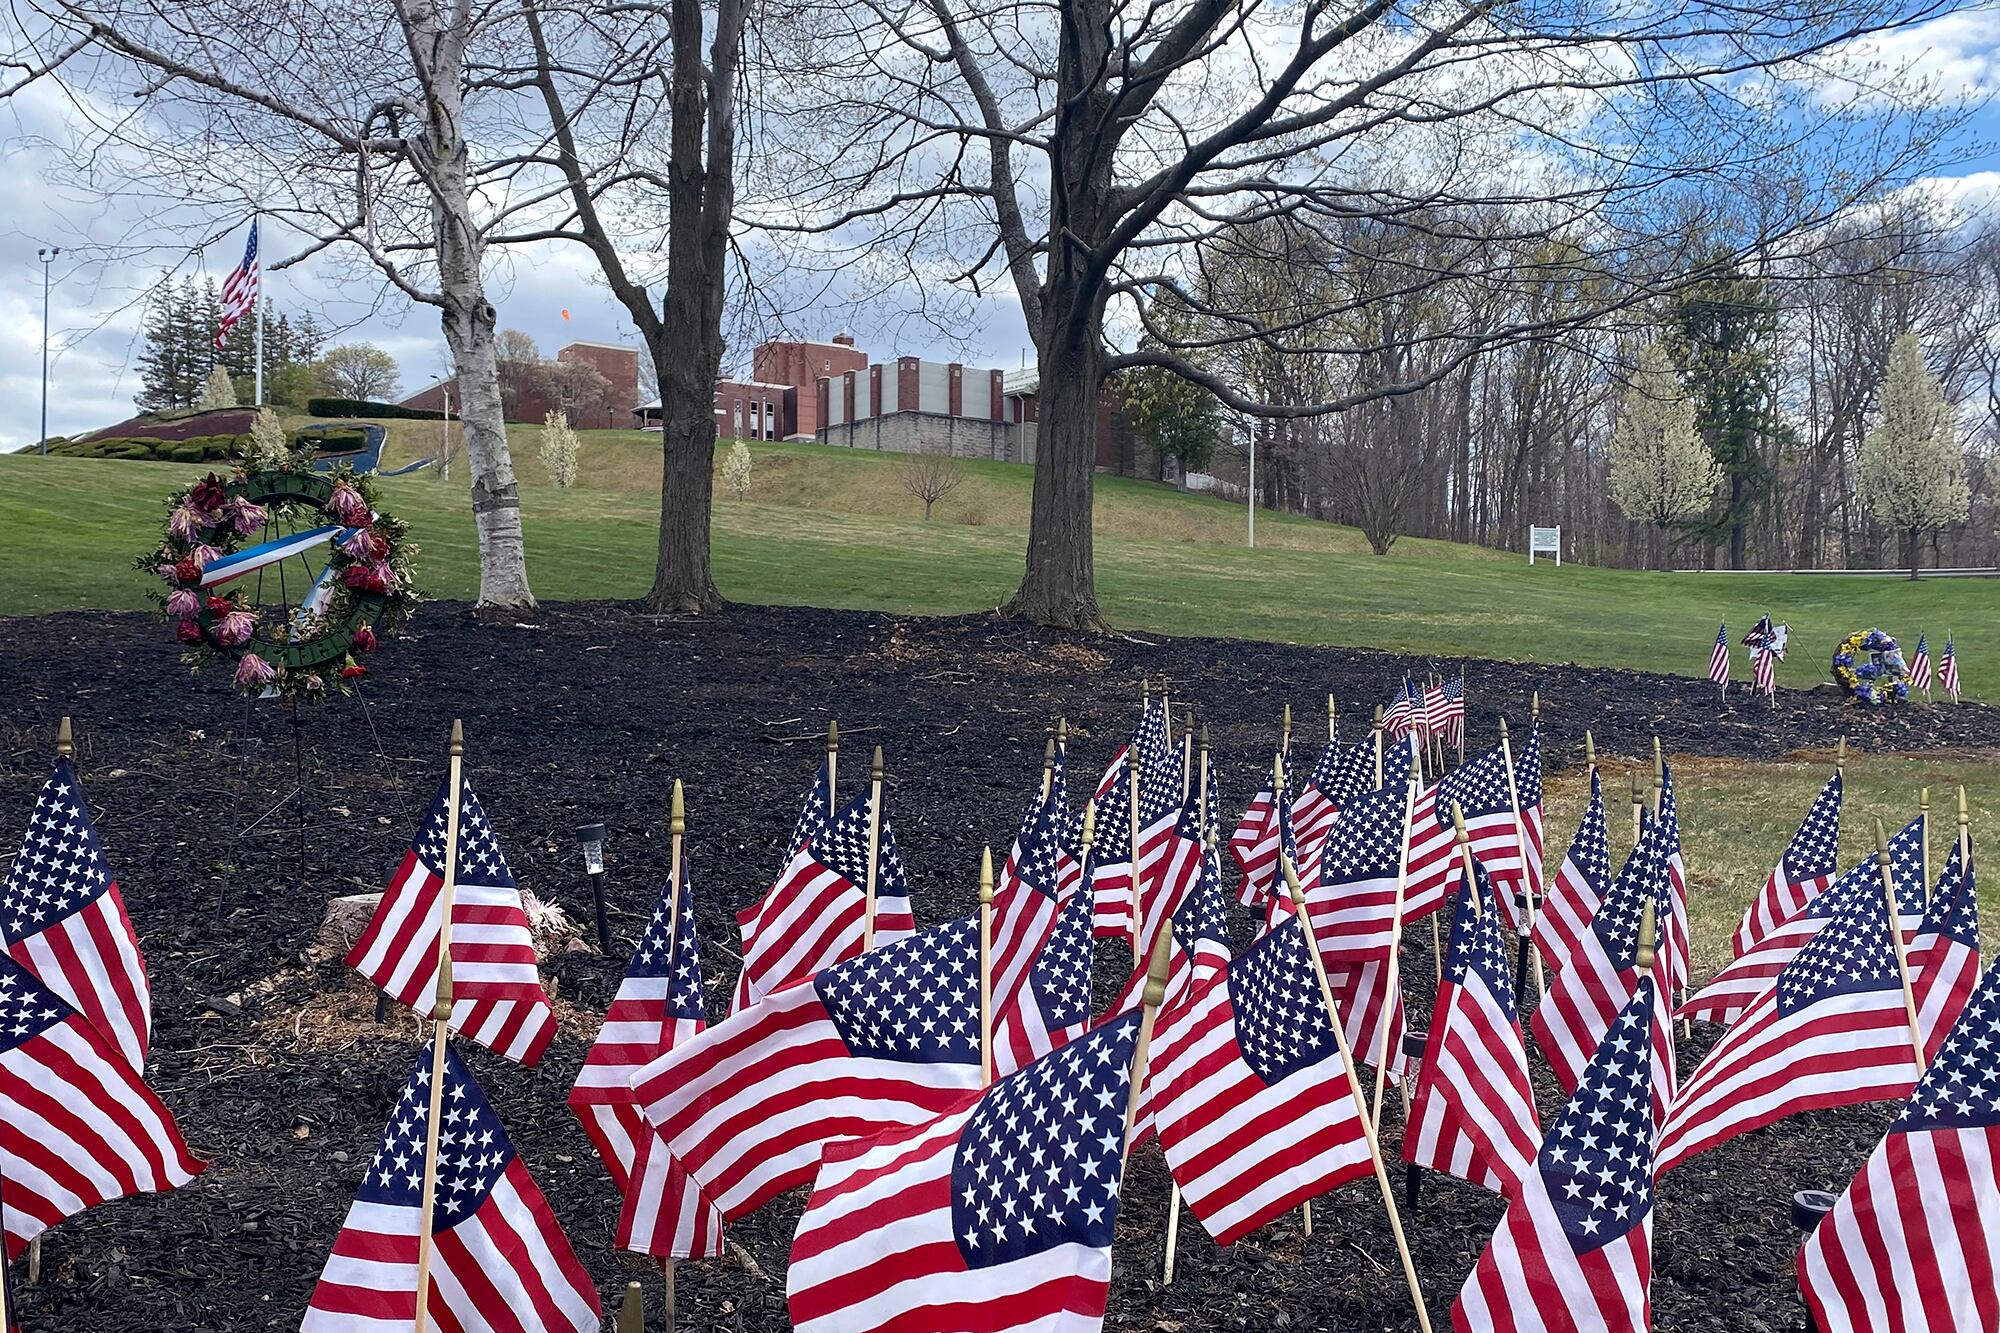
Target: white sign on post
[(1547, 541)]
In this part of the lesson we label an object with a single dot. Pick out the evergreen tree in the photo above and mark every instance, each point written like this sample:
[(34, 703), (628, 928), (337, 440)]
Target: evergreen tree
[(163, 378), (1724, 331)]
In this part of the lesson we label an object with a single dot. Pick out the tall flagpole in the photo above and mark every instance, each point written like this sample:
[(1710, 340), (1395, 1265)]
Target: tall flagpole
[(256, 228)]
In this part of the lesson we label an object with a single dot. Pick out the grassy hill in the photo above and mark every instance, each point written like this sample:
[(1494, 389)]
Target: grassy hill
[(833, 527)]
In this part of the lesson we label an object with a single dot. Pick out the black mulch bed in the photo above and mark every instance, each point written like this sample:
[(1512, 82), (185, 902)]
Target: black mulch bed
[(589, 717)]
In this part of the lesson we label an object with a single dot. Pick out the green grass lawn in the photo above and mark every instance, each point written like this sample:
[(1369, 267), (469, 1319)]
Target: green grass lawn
[(832, 527)]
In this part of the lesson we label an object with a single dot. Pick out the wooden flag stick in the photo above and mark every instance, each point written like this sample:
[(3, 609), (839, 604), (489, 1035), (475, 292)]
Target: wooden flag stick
[(986, 965), (1187, 764), (1896, 935), (676, 876), (1156, 991), (1395, 945), (1298, 893), (874, 849), (1924, 818), (1285, 733), (832, 757), (454, 798), (1521, 847), (1201, 789), (1964, 834), (440, 1036), (1332, 721), (1166, 709), (1378, 745), (1659, 775), (1465, 860), (1638, 809), (632, 1311), (1048, 766), (1840, 759)]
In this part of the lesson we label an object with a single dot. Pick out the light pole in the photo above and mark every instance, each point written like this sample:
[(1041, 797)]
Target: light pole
[(47, 254)]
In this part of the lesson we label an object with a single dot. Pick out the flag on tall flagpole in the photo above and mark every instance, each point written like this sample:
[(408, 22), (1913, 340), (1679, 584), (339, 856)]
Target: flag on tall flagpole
[(1920, 665), (239, 289), (1948, 669), (1718, 661), (1913, 1246)]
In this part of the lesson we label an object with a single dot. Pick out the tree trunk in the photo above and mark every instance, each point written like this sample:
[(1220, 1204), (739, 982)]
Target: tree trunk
[(1916, 550), (701, 195), (469, 320), (1059, 586)]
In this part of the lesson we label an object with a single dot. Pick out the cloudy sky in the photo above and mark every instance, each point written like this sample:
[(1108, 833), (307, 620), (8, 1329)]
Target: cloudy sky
[(95, 308)]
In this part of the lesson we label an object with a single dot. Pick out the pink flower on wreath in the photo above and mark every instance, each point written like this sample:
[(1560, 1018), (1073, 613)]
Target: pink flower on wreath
[(183, 604), (246, 516), (208, 496), (313, 683), (353, 670), (359, 545), (185, 522), (346, 506), (254, 673), (204, 555), (365, 640), (235, 629)]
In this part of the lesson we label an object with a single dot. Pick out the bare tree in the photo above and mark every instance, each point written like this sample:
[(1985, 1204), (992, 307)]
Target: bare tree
[(1085, 154), (353, 128), (930, 475)]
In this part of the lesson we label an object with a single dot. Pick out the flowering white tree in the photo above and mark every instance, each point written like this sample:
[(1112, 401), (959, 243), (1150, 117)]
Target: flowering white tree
[(559, 450), (1662, 472), (1910, 469)]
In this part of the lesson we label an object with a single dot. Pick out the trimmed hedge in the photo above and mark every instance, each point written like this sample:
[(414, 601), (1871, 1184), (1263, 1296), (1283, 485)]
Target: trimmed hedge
[(194, 449), (360, 407)]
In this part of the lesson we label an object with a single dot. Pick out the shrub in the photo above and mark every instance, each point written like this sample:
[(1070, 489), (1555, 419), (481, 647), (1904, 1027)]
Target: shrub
[(220, 390), (361, 407), (267, 446), (559, 450)]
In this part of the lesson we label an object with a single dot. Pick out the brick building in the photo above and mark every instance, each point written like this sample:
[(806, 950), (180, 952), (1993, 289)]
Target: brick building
[(533, 401)]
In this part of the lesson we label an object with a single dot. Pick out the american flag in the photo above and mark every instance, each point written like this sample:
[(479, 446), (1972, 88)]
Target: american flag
[(1764, 671), (1069, 824), (814, 915), (658, 1006), (1199, 945), (1920, 665), (499, 1261), (63, 919), (1437, 709), (1574, 1254), (1170, 861), (1674, 930), (1913, 1246), (1278, 904), (1580, 885), (1027, 896), (1946, 948), (1528, 787), (1406, 714), (1833, 1031), (1254, 847), (82, 1128), (1162, 795), (1810, 861), (1718, 661), (1318, 802), (1480, 788), (996, 1214), (239, 289), (497, 996), (1473, 1114), (1110, 878), (1737, 986), (1586, 997), (814, 816), (1248, 1091), (888, 1038), (1948, 670), (1454, 711), (1050, 1007)]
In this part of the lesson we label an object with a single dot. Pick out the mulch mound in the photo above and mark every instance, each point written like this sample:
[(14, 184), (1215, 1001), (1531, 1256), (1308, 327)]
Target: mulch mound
[(271, 1061)]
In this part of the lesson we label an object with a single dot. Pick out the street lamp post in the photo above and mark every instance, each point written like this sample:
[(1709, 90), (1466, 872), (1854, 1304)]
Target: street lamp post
[(47, 254)]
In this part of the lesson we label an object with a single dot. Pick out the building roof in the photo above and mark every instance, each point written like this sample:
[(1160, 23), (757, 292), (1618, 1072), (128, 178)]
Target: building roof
[(609, 347), (1026, 380)]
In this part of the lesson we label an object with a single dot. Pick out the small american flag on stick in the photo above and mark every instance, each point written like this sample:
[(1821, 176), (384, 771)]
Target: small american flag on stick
[(1580, 885), (499, 1262), (81, 1127), (1804, 871), (63, 918), (1920, 666), (1914, 1244), (995, 1215), (1574, 1253), (1764, 667), (1718, 660), (497, 996), (1948, 669)]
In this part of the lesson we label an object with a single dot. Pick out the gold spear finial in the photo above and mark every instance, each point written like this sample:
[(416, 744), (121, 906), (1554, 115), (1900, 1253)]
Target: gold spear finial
[(1062, 731), (441, 1002), (1156, 968), (632, 1313), (1049, 755), (457, 737), (1642, 957), (65, 738), (677, 822), (1964, 817), (833, 736), (986, 877), (1589, 749), (1840, 756), (1089, 834), (1535, 706), (1203, 744), (1287, 732), (1503, 728), (875, 767), (1881, 847)]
